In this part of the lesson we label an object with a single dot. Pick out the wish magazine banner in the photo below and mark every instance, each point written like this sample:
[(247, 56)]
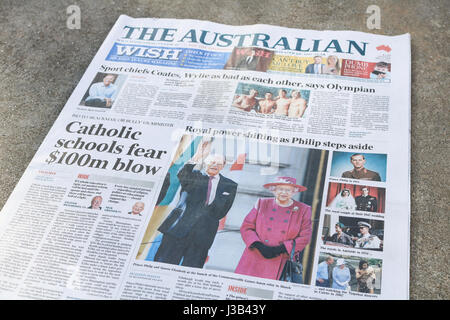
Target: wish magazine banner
[(196, 160)]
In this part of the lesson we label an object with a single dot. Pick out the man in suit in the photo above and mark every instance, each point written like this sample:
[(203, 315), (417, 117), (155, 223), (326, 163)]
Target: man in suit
[(249, 62), (366, 202), (206, 197), (316, 67)]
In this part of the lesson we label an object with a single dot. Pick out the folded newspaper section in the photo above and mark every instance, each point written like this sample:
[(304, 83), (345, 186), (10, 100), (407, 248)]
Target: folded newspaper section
[(202, 161)]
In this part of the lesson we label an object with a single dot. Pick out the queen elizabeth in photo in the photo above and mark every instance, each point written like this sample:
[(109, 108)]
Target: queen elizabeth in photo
[(270, 229)]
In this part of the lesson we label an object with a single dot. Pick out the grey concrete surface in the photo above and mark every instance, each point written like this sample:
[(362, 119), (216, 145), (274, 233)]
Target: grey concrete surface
[(41, 62)]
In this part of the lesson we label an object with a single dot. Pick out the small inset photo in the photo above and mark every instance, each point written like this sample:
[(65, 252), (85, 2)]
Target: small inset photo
[(350, 197), (331, 66), (349, 273), (361, 166), (381, 70), (291, 103), (249, 58), (137, 209), (96, 203), (102, 92), (350, 232)]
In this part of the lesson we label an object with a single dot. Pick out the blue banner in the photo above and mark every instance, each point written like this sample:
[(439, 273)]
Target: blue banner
[(168, 57)]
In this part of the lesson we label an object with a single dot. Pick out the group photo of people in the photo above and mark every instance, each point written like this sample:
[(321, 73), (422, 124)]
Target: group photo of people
[(291, 103), (103, 91), (349, 273), (351, 197), (224, 209), (360, 166), (351, 232)]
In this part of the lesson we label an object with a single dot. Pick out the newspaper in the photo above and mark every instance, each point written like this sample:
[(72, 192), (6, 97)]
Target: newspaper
[(196, 160)]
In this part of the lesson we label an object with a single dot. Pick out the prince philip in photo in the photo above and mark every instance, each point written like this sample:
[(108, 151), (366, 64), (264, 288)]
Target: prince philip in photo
[(206, 196)]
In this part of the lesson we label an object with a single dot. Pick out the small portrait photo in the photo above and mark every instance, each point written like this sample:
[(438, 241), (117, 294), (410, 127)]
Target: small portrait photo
[(351, 197), (361, 166), (349, 273), (381, 70), (249, 58), (102, 92), (137, 208), (351, 232), (223, 207), (291, 103), (331, 66), (96, 203)]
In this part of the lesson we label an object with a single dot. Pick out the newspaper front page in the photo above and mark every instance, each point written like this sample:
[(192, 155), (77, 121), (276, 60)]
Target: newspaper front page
[(197, 160)]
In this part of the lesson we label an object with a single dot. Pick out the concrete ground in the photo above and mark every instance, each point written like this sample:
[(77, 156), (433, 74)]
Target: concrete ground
[(41, 62)]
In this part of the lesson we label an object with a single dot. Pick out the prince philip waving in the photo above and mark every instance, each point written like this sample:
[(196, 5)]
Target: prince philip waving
[(206, 196)]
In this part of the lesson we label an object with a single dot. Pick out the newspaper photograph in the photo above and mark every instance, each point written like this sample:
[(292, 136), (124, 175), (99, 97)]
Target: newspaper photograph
[(196, 160)]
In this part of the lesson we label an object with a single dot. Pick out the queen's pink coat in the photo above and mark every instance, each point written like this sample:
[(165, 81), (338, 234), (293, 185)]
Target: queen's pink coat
[(273, 225)]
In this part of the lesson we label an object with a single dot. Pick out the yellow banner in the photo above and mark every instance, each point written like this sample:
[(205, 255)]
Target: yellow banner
[(291, 63)]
